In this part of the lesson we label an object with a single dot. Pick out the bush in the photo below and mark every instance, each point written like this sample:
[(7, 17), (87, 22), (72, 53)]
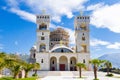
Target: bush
[(95, 79), (34, 75), (110, 75)]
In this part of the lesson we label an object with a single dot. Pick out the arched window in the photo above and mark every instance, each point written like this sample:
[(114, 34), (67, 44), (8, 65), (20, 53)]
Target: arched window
[(83, 38), (83, 60), (34, 55), (42, 26), (42, 48), (41, 60)]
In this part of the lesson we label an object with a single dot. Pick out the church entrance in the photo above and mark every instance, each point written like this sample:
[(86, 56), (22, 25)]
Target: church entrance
[(53, 64), (62, 67), (72, 64), (63, 63)]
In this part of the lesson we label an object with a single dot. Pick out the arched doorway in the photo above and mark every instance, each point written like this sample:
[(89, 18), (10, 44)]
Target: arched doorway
[(72, 64), (53, 64), (63, 63)]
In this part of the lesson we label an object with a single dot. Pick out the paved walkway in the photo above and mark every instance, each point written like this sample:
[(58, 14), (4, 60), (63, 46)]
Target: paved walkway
[(73, 75)]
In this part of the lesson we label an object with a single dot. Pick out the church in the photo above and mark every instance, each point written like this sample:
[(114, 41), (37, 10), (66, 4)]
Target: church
[(52, 50)]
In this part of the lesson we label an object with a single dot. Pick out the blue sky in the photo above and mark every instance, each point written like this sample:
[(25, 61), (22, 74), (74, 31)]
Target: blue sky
[(18, 28)]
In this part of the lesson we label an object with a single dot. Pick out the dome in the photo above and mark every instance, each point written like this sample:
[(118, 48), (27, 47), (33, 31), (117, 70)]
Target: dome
[(59, 35), (61, 49)]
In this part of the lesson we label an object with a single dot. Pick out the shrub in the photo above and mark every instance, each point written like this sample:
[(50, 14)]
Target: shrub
[(110, 75), (95, 79), (34, 75)]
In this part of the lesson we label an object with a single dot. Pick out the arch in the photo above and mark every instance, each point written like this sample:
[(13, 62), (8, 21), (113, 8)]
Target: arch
[(53, 63), (43, 26), (63, 63), (61, 49), (42, 48), (72, 64), (84, 48)]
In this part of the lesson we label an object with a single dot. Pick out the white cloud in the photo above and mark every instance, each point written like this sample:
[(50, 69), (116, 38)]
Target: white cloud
[(24, 15), (115, 45), (97, 42), (106, 16), (94, 7), (56, 8), (13, 3)]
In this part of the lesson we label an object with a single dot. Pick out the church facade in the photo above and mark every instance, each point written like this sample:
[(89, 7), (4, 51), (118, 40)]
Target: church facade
[(52, 50)]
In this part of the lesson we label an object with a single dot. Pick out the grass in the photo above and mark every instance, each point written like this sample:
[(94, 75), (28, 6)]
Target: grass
[(10, 78)]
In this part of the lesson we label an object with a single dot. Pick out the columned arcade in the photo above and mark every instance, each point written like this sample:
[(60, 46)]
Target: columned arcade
[(62, 63)]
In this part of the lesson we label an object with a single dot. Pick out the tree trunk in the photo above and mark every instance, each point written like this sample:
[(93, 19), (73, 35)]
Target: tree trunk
[(95, 72), (35, 71), (15, 76), (107, 70), (26, 74), (80, 72)]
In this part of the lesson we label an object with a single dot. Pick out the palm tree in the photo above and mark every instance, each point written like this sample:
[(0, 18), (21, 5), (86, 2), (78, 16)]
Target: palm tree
[(2, 60), (27, 67), (96, 63), (16, 69), (36, 67), (80, 66), (108, 65)]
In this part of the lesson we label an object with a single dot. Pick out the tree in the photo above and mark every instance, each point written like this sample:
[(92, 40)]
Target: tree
[(108, 65), (80, 66), (96, 63), (27, 67), (2, 60), (36, 67)]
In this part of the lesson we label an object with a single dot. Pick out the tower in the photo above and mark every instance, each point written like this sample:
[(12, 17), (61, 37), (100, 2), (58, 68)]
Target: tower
[(43, 32), (81, 25)]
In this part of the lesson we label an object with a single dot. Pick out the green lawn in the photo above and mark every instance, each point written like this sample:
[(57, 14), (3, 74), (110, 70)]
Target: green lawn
[(10, 78)]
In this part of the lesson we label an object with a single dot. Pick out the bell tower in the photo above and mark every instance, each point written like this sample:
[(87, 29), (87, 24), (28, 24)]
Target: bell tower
[(81, 25), (43, 32)]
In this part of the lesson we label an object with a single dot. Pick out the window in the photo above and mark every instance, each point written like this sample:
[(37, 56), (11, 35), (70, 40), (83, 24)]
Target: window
[(34, 55), (83, 38), (70, 62), (53, 62), (41, 60), (83, 60), (42, 33), (83, 34), (42, 38)]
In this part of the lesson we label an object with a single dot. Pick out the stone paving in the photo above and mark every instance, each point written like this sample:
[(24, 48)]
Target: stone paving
[(73, 75)]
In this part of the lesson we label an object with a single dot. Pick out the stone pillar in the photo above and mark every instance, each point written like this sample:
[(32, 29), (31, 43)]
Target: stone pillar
[(57, 64), (68, 64)]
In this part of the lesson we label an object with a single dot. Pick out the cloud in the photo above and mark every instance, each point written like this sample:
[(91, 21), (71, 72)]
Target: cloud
[(106, 16), (115, 45), (56, 8), (24, 15), (97, 42), (13, 3)]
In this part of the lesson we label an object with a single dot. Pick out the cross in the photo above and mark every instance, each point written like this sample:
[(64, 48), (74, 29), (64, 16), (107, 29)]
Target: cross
[(43, 11), (81, 13)]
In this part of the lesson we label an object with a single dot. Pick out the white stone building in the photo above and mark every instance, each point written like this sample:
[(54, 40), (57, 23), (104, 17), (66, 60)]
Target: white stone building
[(54, 53)]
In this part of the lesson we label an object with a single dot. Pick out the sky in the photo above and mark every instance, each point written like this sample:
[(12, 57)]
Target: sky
[(18, 23)]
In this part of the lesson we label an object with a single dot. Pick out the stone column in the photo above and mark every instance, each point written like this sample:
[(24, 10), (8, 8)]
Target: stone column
[(57, 64), (68, 64)]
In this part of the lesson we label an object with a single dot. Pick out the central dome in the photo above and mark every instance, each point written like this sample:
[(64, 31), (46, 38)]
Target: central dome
[(57, 36)]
